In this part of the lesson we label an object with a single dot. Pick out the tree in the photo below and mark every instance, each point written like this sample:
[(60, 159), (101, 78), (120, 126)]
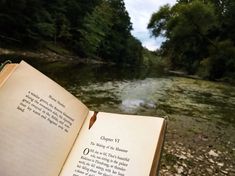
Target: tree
[(12, 20), (134, 52), (95, 28), (114, 46), (76, 12), (186, 27)]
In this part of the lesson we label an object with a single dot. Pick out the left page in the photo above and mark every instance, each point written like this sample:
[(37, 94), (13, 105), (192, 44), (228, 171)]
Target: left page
[(6, 72), (39, 122)]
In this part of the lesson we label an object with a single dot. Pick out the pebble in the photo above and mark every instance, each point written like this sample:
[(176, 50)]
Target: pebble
[(182, 157), (211, 160), (212, 153), (224, 172), (220, 164), (180, 169), (209, 170)]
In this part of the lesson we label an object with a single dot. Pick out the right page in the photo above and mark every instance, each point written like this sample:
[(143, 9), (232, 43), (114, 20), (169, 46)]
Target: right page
[(115, 144)]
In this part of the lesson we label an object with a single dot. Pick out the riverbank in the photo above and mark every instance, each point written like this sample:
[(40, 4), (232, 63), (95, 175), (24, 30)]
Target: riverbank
[(201, 122), (56, 54), (49, 56)]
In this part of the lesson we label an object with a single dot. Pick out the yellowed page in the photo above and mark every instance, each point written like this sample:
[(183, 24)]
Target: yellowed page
[(6, 72), (115, 145), (39, 122)]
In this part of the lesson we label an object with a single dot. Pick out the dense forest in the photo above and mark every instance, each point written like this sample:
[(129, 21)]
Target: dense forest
[(200, 36), (91, 29)]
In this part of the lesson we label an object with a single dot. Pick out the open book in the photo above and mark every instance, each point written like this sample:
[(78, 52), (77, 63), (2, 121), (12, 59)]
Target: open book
[(46, 131)]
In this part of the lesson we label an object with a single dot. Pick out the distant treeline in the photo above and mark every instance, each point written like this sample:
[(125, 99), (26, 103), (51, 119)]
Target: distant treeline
[(200, 36), (91, 28)]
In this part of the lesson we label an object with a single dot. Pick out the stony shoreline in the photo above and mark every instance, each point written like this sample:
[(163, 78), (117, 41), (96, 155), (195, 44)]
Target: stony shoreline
[(48, 56)]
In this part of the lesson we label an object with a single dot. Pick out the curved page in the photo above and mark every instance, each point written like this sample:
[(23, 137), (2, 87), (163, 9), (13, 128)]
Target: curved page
[(39, 121), (116, 144)]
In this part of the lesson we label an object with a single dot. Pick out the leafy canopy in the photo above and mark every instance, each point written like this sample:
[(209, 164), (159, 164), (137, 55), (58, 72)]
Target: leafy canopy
[(195, 30)]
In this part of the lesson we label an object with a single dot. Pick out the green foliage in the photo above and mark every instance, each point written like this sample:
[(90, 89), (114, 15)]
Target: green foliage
[(198, 17), (221, 61), (159, 20), (45, 29), (153, 61), (114, 47), (134, 53), (199, 36), (95, 28)]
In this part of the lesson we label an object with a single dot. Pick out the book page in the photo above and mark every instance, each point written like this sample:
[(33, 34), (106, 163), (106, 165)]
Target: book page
[(6, 72), (116, 144), (39, 122)]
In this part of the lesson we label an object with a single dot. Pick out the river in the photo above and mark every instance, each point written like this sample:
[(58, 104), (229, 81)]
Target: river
[(200, 138)]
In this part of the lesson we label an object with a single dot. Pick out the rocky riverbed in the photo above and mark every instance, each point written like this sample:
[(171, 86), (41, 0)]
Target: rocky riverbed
[(200, 138)]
